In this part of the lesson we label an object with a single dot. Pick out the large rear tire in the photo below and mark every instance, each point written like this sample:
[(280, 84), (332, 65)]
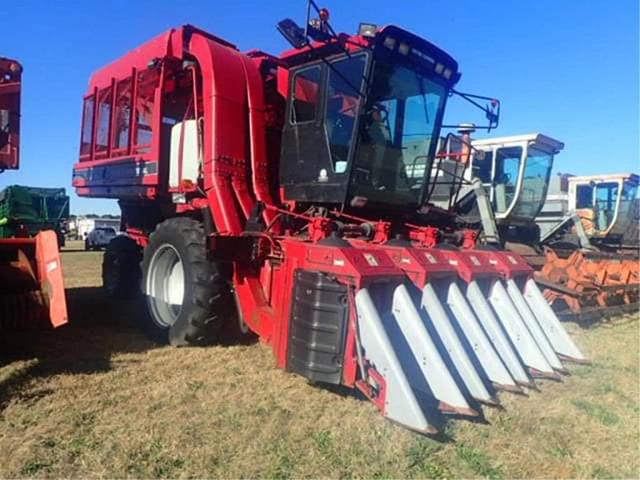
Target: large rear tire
[(186, 297), (121, 268)]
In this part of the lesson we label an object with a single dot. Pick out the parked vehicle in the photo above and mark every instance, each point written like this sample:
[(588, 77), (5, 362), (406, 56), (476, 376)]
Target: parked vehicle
[(99, 238), (580, 233)]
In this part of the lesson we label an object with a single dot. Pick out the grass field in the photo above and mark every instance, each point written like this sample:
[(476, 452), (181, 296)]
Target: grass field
[(97, 399)]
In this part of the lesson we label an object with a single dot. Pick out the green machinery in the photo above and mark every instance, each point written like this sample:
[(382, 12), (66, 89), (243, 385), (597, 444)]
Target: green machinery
[(26, 211)]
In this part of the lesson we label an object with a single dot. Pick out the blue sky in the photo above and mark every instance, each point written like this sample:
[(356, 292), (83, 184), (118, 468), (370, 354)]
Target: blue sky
[(566, 68)]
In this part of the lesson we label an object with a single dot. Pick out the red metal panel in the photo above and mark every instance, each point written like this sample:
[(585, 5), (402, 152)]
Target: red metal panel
[(421, 265), (167, 44), (50, 276), (258, 137), (471, 264), (226, 134)]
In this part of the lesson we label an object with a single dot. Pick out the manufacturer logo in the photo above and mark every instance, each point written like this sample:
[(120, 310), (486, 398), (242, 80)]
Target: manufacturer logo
[(371, 259), (431, 258), (474, 260)]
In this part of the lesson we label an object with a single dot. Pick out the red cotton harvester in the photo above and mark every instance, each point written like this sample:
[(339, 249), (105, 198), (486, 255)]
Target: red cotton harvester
[(286, 195), (31, 285)]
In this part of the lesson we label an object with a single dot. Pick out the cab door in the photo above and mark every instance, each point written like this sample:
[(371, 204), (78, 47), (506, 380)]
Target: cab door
[(318, 135), (304, 157)]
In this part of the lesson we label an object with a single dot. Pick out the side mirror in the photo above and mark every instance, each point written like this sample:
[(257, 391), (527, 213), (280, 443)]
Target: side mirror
[(292, 33), (493, 113)]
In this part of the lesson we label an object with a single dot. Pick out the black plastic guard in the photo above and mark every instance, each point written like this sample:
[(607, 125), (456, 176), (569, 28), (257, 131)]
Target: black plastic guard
[(318, 325)]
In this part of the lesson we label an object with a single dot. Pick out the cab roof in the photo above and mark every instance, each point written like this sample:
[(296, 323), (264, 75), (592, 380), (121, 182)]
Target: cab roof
[(543, 141), (608, 177)]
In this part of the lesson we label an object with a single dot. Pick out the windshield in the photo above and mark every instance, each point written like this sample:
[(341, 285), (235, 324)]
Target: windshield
[(596, 204), (534, 183), (397, 135)]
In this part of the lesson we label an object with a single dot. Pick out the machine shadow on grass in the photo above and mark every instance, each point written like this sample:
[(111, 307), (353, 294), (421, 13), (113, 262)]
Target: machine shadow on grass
[(97, 330)]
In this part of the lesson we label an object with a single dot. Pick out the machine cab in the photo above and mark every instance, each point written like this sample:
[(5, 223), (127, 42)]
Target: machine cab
[(515, 171), (10, 83), (362, 119), (606, 204)]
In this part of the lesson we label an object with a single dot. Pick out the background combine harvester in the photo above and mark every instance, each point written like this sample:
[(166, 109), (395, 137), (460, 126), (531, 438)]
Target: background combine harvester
[(604, 277), (290, 193), (26, 211), (31, 286), (583, 241)]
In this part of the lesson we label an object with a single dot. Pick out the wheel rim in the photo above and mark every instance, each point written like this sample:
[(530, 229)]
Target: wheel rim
[(165, 286)]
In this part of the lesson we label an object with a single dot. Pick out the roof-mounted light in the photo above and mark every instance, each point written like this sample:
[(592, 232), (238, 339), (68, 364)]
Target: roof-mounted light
[(439, 68), (403, 48), (447, 73), (390, 43), (368, 30)]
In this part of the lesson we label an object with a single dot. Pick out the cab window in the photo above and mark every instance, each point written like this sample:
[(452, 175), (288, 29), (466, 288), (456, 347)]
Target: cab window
[(104, 118), (87, 125), (482, 166), (605, 204), (508, 161), (305, 95), (343, 104), (145, 101), (584, 196), (122, 115)]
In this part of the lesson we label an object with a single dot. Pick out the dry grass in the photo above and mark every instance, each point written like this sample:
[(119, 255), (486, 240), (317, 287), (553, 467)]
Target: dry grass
[(97, 399)]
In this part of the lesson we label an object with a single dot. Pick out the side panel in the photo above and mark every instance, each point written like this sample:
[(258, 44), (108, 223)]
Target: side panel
[(50, 276)]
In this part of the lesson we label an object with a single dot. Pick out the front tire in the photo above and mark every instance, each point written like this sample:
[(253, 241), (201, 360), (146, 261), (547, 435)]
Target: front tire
[(121, 268), (186, 298)]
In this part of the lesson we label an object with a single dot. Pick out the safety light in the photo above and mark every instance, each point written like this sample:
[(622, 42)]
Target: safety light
[(403, 49), (367, 30), (447, 73), (439, 68), (390, 43), (315, 23)]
